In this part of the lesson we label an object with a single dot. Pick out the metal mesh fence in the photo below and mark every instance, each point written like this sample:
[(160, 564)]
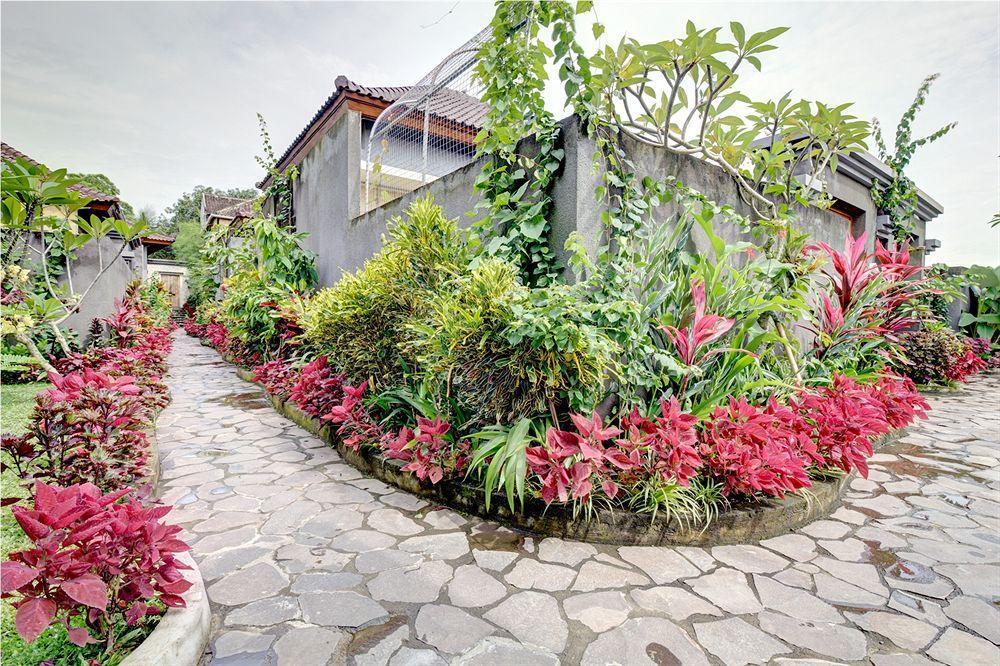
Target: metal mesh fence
[(428, 131)]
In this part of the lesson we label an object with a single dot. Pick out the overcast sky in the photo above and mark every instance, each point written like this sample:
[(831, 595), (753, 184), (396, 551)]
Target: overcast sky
[(162, 96)]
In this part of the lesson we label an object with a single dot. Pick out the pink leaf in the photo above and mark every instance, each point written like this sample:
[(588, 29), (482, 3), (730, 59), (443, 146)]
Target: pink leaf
[(14, 576), (79, 636), (88, 589), (32, 618)]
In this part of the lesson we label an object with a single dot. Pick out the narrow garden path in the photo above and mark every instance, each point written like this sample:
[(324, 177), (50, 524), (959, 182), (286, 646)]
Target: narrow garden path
[(308, 562)]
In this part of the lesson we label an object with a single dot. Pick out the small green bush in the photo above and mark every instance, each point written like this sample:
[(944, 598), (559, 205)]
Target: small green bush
[(504, 351), (360, 322)]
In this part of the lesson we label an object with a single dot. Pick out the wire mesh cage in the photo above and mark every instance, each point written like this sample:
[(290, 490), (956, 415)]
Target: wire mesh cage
[(428, 131)]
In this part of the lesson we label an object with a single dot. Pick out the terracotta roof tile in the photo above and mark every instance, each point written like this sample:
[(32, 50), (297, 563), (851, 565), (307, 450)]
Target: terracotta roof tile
[(449, 105), (11, 154), (214, 204)]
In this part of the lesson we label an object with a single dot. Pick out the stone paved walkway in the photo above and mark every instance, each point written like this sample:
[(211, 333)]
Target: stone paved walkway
[(308, 562)]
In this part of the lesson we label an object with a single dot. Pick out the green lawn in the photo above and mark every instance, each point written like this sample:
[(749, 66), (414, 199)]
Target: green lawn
[(16, 402)]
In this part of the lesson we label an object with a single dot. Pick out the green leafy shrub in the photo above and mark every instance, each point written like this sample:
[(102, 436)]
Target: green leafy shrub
[(507, 351), (360, 322)]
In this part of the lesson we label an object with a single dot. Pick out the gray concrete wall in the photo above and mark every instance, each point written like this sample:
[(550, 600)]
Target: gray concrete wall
[(327, 197), (100, 301)]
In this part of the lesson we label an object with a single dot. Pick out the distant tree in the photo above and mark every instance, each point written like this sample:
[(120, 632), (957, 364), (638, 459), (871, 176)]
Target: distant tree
[(102, 183), (148, 215), (187, 208)]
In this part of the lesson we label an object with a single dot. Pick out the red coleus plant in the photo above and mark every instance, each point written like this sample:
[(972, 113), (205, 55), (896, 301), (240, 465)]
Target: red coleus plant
[(570, 463), (277, 377), (703, 329), (318, 388), (964, 365), (217, 336), (844, 417), (429, 452), (94, 558), (757, 450), (354, 423), (899, 399), (666, 444), (84, 429)]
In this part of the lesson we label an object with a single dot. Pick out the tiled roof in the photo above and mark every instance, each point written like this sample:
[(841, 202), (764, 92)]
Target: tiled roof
[(215, 204), (242, 209), (449, 105), (11, 154), (157, 239)]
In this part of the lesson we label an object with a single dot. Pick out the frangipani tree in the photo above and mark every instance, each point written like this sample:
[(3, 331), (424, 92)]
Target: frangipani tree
[(42, 229)]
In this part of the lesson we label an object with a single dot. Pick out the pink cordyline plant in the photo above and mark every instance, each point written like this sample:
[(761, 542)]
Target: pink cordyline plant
[(704, 328)]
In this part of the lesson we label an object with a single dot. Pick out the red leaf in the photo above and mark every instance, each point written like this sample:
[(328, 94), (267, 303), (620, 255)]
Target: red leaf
[(14, 576), (88, 589), (80, 636), (33, 616)]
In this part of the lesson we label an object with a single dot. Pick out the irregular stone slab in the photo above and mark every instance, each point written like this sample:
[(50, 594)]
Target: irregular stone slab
[(793, 601), (698, 557), (978, 580), (737, 643), (862, 575), (663, 565), (471, 587), (340, 609), (915, 577), (227, 520), (600, 611), (237, 642), (307, 646), (950, 553), (494, 560), (833, 640), (497, 651), (438, 546), (958, 648), (361, 541), (884, 505), (404, 501), (265, 612), (228, 561), (749, 559), (325, 582), (444, 519), (644, 641), (798, 547), (918, 607), (597, 576), (826, 529), (570, 553), (677, 603), (420, 584), (286, 520), (533, 618), (449, 629), (409, 657), (383, 650), (333, 522), (257, 581), (906, 632), (530, 574), (977, 615), (298, 557), (392, 521), (374, 561), (838, 592), (727, 589), (848, 550), (338, 493)]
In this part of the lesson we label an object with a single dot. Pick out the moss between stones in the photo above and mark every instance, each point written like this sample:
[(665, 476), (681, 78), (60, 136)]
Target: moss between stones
[(741, 523)]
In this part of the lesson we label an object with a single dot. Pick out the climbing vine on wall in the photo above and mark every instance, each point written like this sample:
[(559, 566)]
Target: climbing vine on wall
[(279, 188), (517, 201)]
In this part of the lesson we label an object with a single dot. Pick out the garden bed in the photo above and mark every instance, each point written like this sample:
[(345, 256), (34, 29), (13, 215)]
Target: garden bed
[(741, 523)]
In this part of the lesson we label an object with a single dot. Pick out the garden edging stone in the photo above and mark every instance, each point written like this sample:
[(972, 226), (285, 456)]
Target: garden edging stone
[(743, 523), (181, 635)]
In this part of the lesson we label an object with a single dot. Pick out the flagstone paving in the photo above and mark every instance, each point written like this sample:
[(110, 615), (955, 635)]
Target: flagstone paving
[(308, 562)]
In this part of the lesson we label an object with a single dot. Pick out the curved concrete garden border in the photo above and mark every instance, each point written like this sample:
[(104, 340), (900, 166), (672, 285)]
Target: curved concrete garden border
[(180, 637), (741, 523)]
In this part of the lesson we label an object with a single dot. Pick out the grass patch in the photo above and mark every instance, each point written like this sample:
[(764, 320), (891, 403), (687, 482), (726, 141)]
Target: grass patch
[(16, 403)]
